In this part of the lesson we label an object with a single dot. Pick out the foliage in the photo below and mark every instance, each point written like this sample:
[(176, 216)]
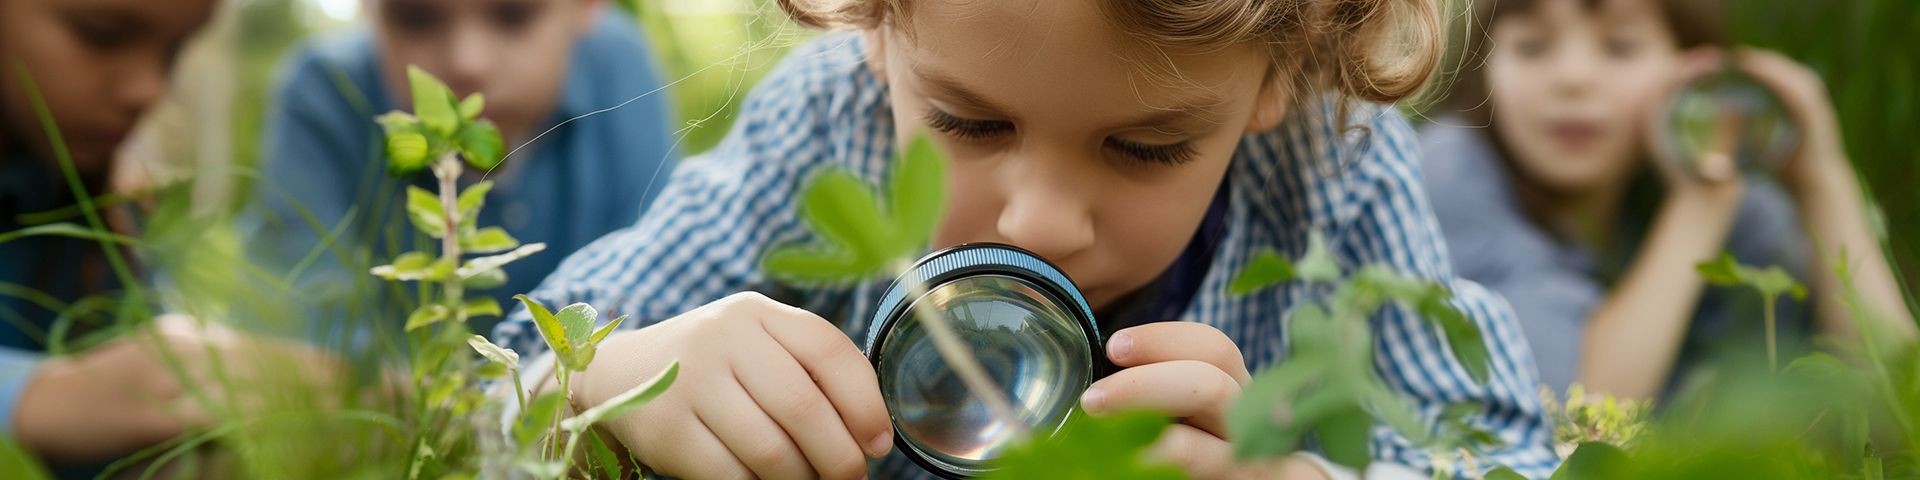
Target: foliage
[(1327, 389), (439, 134), (1091, 449)]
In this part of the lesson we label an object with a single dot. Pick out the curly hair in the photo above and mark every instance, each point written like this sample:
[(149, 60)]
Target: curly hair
[(1377, 50)]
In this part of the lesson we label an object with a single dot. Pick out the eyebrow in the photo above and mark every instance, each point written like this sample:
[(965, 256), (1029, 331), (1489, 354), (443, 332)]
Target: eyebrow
[(1199, 107)]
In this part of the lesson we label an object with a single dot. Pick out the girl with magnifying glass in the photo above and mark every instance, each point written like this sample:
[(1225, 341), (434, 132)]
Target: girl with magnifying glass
[(1146, 148)]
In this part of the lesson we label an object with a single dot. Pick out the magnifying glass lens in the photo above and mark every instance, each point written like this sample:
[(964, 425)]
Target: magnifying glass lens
[(1032, 348)]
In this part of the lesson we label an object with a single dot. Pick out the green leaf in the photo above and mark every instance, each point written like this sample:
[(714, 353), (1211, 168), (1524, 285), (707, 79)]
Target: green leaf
[(842, 210), (432, 102), (1464, 337), (424, 209), (1318, 264), (1086, 447), (1722, 270), (1344, 436), (480, 143), (1504, 473), (624, 402), (410, 266), (427, 315), (542, 469), (17, 464), (407, 151), (601, 334), (1267, 269), (604, 457), (494, 353), (485, 280), (1775, 281), (814, 265), (397, 121), (538, 416), (473, 198), (69, 230), (576, 323), (471, 106), (481, 265), (1262, 420), (481, 306), (919, 192), (1593, 460), (550, 329), (488, 240)]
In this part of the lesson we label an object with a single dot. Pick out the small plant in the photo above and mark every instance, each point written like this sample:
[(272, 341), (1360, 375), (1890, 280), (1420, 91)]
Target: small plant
[(1327, 388), (438, 135), (1582, 418), (1770, 283)]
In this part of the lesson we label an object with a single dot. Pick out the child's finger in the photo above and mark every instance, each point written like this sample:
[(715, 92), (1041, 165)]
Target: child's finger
[(1168, 341), (1198, 453), (786, 393), (750, 435), (691, 450), (1188, 389), (838, 368)]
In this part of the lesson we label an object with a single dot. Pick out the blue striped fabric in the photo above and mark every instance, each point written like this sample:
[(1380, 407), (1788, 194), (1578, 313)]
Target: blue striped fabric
[(704, 236)]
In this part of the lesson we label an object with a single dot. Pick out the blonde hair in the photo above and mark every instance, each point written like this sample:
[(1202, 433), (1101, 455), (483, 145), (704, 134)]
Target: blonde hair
[(1378, 50)]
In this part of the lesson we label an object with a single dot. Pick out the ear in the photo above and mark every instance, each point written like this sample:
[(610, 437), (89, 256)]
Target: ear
[(1271, 105), (876, 56)]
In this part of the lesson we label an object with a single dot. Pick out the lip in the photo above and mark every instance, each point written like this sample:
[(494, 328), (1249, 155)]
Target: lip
[(1574, 135)]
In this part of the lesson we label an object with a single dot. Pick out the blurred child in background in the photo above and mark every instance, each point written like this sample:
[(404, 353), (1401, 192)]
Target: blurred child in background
[(1551, 190), (537, 62), (97, 66)]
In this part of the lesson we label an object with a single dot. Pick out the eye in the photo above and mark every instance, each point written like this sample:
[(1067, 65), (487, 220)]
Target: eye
[(966, 128), (413, 18), (1529, 47), (1622, 47), (102, 34), (1169, 154), (513, 16)]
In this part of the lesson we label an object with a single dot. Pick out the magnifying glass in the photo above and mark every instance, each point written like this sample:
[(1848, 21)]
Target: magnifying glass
[(1729, 110), (1031, 330)]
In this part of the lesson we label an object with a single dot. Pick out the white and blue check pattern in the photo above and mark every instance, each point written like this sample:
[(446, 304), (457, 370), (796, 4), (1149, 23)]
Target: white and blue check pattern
[(703, 238)]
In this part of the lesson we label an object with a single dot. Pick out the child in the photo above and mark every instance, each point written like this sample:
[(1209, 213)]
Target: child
[(97, 66), (1148, 148), (538, 62), (1563, 205)]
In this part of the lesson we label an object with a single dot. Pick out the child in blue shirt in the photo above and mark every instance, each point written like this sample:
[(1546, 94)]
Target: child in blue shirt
[(1149, 149), (538, 63)]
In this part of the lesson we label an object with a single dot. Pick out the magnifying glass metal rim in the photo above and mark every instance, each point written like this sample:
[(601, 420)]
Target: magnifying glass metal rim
[(971, 259)]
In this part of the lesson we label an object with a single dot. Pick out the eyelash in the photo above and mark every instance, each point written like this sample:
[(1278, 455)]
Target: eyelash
[(981, 130)]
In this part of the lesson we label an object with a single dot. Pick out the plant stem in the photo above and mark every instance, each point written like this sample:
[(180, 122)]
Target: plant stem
[(961, 358), (553, 429), (447, 170), (1773, 350)]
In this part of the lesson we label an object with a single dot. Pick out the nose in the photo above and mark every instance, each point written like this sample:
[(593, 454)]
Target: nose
[(1044, 211), (143, 85), (1575, 69), (470, 58)]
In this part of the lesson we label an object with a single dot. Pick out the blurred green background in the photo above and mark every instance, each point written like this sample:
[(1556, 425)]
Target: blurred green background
[(713, 51)]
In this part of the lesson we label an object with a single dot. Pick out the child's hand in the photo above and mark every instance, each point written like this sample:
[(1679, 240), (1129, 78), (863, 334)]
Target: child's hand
[(1821, 152), (1191, 371), (124, 395), (766, 390)]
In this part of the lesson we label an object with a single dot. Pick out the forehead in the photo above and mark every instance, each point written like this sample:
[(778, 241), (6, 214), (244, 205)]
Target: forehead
[(164, 17), (1063, 51), (1577, 10)]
